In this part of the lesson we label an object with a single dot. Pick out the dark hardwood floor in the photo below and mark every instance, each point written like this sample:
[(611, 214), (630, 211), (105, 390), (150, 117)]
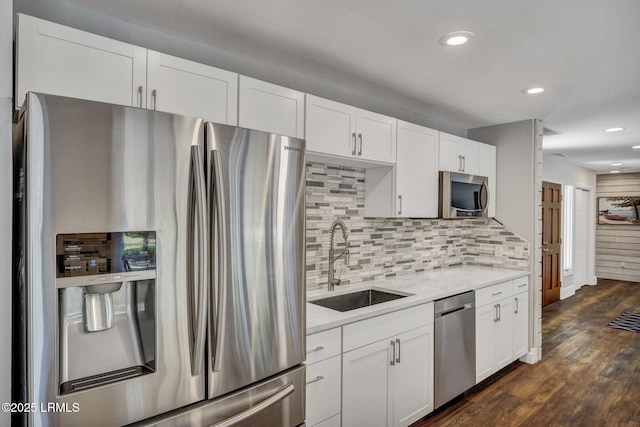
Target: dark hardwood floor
[(589, 374)]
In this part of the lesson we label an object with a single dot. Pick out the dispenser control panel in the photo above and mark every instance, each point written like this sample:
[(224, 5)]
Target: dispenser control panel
[(105, 257)]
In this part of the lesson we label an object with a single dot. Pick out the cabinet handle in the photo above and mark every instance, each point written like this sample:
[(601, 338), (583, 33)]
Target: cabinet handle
[(459, 163), (516, 312), (393, 356), (523, 285), (316, 379), (318, 348), (499, 313), (360, 139), (464, 163), (400, 208), (495, 295), (154, 99), (355, 145), (140, 96), (398, 342), (495, 313)]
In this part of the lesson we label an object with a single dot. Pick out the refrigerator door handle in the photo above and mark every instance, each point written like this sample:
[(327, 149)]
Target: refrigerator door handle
[(200, 287), (221, 277), (279, 395)]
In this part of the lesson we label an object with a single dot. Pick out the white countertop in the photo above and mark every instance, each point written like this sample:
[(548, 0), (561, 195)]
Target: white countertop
[(424, 287)]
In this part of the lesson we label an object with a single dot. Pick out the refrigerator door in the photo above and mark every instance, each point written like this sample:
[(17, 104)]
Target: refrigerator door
[(90, 177), (256, 190)]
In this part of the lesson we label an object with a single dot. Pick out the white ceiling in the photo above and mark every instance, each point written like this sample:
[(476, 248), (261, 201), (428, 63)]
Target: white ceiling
[(585, 53)]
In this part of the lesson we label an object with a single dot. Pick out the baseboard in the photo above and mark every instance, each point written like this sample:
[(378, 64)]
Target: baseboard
[(593, 281), (531, 357), (567, 291)]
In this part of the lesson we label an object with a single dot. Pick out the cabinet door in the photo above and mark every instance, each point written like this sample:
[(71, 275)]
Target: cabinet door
[(520, 324), (189, 88), (485, 319), (270, 108), (416, 171), (323, 390), (503, 334), (413, 376), (376, 137), (449, 155), (58, 60), (330, 127), (366, 396), (487, 167), (470, 152)]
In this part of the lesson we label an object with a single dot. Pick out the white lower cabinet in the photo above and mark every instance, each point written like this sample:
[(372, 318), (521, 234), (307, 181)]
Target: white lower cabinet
[(520, 317), (501, 326), (388, 382), (324, 365)]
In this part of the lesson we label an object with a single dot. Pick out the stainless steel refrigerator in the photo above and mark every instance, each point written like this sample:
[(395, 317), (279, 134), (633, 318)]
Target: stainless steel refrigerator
[(158, 269)]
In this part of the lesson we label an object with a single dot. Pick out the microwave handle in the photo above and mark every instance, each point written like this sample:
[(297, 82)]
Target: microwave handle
[(485, 189)]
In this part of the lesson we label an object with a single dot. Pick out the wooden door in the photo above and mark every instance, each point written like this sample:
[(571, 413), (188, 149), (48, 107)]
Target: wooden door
[(551, 241)]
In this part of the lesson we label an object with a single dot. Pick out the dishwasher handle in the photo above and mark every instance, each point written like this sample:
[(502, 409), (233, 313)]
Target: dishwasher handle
[(467, 306)]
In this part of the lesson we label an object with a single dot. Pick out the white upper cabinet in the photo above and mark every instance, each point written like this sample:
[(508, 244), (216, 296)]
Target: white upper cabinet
[(176, 85), (410, 189), (341, 130), (458, 154), (58, 60), (270, 108)]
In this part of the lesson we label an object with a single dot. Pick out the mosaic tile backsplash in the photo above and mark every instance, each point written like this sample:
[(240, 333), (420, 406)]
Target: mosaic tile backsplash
[(384, 247)]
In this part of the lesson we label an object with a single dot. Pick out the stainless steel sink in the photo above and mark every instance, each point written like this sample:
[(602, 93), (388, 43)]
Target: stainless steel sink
[(354, 300)]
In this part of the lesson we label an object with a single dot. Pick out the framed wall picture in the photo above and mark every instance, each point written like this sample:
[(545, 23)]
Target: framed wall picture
[(620, 210)]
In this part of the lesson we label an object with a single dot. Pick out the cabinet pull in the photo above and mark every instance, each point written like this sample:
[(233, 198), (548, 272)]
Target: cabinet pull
[(400, 208), (499, 313), (459, 163), (316, 379), (398, 342), (495, 295), (139, 96), (464, 163), (318, 348), (360, 139), (393, 356), (516, 312), (523, 285), (154, 99), (355, 144)]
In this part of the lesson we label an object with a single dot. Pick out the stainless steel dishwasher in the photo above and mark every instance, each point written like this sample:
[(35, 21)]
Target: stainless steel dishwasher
[(455, 346)]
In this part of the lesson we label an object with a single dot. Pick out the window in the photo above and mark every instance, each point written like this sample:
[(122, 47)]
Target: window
[(567, 238)]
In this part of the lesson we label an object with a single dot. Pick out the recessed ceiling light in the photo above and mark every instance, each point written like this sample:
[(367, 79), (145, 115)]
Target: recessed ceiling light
[(457, 38), (616, 164), (636, 146), (614, 172), (533, 90), (614, 129)]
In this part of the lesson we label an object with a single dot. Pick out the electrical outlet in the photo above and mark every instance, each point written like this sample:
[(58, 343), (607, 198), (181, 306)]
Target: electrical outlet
[(623, 265)]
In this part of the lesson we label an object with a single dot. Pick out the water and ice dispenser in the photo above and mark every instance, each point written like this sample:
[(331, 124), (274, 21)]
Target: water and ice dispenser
[(106, 307)]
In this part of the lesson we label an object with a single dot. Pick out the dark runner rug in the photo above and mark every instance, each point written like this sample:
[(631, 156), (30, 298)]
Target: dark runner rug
[(626, 321)]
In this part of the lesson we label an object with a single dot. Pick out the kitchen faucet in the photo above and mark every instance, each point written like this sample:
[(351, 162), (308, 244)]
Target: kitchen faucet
[(332, 282)]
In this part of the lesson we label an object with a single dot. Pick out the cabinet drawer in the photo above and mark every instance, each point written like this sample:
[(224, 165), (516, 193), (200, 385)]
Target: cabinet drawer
[(520, 285), (323, 345), (494, 293), (371, 330), (323, 390)]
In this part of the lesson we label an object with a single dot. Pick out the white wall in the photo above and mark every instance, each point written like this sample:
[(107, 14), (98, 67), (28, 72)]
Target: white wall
[(6, 53), (518, 202), (556, 169)]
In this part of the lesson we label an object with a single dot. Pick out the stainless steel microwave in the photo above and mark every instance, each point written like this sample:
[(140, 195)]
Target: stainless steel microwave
[(462, 195)]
